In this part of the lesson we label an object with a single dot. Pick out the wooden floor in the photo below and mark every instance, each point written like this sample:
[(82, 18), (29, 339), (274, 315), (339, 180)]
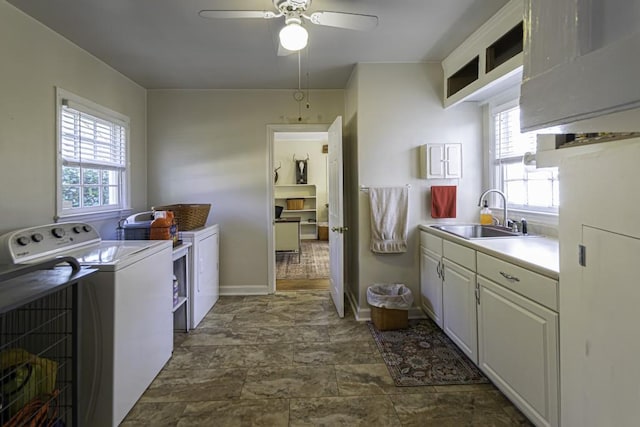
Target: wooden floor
[(302, 284)]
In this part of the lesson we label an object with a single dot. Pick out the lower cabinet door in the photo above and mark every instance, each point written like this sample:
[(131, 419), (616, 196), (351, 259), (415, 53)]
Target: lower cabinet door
[(431, 285), (518, 350), (459, 307)]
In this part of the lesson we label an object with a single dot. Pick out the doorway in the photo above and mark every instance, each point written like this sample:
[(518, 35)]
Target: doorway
[(300, 189)]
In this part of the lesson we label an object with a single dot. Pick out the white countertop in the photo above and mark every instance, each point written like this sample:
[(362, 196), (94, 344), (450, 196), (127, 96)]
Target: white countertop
[(536, 253)]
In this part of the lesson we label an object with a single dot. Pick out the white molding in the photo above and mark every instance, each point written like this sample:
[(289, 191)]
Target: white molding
[(244, 290), (272, 129)]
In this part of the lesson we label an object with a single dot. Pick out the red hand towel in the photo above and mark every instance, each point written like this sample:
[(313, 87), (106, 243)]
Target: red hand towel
[(443, 201)]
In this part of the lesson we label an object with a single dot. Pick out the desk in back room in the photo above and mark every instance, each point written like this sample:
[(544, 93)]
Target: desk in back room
[(288, 235)]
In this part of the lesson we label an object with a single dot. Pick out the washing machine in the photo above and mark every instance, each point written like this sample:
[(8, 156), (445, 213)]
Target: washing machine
[(126, 321)]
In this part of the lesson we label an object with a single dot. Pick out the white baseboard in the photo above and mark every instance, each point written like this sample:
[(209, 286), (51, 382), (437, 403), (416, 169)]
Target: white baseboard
[(364, 314), (243, 290)]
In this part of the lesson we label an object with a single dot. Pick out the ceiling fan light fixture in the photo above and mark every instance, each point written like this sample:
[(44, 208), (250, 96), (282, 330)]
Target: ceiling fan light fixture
[(293, 36)]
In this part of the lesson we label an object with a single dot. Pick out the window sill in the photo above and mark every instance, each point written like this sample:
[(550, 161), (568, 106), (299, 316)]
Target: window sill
[(95, 216), (541, 223)]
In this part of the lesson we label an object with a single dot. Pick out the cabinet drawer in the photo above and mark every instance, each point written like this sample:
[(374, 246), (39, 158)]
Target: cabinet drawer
[(527, 283), (459, 254), (431, 242)]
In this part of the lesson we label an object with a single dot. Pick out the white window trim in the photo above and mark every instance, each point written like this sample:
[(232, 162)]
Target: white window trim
[(503, 101), (103, 112)]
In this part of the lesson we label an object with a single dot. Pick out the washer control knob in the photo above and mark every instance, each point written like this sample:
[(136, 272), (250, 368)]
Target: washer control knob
[(86, 228), (58, 232), (77, 229), (37, 237), (22, 240)]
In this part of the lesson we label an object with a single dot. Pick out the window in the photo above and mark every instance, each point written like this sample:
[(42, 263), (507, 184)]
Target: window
[(92, 157), (526, 188)]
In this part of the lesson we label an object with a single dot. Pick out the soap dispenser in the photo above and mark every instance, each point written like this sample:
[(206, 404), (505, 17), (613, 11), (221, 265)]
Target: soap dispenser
[(485, 214)]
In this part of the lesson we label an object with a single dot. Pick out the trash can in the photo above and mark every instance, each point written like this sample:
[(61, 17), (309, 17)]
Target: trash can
[(390, 305)]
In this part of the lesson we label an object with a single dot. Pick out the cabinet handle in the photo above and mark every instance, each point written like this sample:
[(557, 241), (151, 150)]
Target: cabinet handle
[(438, 269), (509, 277)]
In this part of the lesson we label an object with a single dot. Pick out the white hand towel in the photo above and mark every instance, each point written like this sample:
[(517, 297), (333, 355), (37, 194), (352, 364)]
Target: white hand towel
[(389, 219)]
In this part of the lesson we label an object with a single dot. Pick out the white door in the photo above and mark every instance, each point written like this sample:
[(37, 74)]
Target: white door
[(336, 218)]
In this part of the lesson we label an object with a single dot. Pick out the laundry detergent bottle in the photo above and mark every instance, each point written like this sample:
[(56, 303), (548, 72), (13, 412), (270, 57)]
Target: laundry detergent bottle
[(485, 214)]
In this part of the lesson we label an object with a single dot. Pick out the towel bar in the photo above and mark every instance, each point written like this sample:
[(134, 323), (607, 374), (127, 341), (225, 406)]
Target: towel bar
[(366, 189)]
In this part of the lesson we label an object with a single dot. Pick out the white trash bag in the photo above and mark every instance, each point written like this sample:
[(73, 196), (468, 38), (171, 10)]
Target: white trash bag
[(393, 295)]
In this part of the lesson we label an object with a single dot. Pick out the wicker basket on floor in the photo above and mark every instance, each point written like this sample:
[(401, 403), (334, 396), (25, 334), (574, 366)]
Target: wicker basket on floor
[(188, 216)]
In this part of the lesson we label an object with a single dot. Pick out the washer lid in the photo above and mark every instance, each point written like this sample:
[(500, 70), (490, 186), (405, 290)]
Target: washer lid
[(116, 252)]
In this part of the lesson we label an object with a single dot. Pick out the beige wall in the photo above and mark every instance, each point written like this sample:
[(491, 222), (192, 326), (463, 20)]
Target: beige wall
[(399, 108), (33, 61), (211, 146)]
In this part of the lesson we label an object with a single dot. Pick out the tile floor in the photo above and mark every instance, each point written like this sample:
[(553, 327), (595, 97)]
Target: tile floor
[(288, 360)]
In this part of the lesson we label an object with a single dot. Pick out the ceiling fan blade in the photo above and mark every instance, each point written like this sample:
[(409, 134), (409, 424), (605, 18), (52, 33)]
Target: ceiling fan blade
[(351, 21), (233, 14)]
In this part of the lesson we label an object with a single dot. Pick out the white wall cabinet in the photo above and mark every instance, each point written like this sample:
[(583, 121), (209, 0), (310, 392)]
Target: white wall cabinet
[(205, 286), (441, 161), (488, 61), (518, 337), (580, 60), (308, 213)]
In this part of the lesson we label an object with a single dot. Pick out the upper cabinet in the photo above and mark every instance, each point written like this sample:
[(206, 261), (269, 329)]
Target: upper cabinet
[(443, 161), (489, 60), (581, 60)]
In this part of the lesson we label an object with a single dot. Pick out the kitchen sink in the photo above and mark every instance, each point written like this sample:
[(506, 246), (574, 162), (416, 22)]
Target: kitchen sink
[(477, 231)]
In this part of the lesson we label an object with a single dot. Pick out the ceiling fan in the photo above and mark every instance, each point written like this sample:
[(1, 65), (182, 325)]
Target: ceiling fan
[(293, 36)]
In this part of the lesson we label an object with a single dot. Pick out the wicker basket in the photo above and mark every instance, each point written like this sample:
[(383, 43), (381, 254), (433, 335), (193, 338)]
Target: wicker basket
[(188, 217), (388, 319), (295, 204)]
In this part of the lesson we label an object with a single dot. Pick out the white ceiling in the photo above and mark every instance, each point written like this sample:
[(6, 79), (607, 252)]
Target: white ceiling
[(165, 44)]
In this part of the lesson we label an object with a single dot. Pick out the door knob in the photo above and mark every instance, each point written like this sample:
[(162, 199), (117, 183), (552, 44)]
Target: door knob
[(339, 229)]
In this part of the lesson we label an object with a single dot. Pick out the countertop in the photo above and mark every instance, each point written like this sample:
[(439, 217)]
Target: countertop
[(536, 253)]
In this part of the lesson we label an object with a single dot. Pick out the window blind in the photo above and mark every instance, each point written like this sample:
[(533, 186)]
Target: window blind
[(510, 143), (89, 140)]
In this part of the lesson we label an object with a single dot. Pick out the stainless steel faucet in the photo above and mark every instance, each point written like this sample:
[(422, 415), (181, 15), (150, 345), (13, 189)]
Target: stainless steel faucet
[(504, 202)]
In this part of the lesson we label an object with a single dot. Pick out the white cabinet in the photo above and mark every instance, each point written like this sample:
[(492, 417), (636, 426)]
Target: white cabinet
[(459, 297), (204, 290), (307, 212), (288, 235), (441, 161), (447, 290), (431, 276), (518, 337), (580, 60), (488, 61), (459, 307), (181, 286), (599, 334)]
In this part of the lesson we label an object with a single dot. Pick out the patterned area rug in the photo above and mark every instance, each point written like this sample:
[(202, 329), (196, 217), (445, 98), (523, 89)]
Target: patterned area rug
[(423, 355), (314, 262)]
